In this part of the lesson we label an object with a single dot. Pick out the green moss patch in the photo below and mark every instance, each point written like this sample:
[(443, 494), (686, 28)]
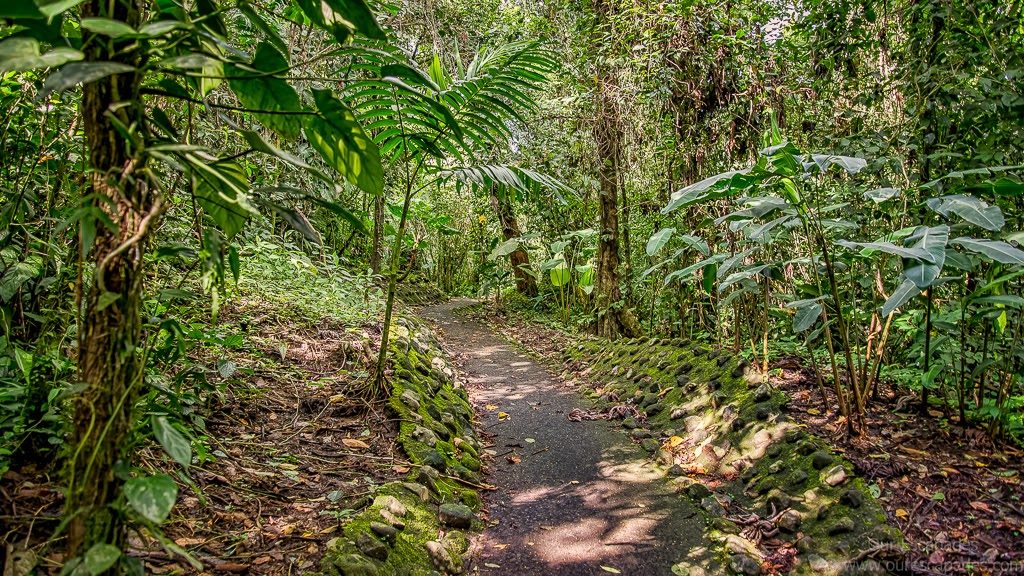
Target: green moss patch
[(402, 532)]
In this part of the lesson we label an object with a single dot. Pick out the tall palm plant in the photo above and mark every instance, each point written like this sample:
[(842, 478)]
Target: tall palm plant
[(432, 126)]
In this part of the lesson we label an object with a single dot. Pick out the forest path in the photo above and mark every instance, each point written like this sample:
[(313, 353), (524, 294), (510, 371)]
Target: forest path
[(572, 497)]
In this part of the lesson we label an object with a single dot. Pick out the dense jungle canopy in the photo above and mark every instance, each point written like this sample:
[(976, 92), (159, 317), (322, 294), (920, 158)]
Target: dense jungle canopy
[(833, 183)]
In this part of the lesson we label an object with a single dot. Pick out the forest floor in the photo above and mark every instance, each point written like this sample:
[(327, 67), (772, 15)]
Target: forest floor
[(572, 498), (956, 496), (286, 451), (291, 454)]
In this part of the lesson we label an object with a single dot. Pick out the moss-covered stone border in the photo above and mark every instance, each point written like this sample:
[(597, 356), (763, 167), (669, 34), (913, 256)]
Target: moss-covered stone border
[(417, 526), (723, 435)]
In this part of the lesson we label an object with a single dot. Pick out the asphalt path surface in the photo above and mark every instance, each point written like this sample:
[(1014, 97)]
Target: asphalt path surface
[(572, 498)]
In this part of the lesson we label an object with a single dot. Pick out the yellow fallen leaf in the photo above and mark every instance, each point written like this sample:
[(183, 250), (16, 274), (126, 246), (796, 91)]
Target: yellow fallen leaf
[(337, 399), (813, 411), (500, 546), (674, 441), (491, 407), (329, 529), (901, 513), (502, 415), (354, 443), (287, 466), (610, 569)]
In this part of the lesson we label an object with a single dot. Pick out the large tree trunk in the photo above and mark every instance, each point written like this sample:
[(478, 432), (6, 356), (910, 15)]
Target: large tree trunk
[(614, 318), (526, 284), (110, 340)]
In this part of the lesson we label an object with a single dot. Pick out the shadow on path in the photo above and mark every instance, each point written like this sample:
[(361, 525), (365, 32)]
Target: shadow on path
[(581, 495)]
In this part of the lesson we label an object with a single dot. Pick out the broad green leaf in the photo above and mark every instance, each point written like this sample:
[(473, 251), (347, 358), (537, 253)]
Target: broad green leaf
[(273, 101), (504, 249), (411, 75), (75, 73), (869, 248), (757, 207), (997, 250), (879, 195), (297, 221), (1009, 300), (586, 278), (152, 497), (683, 273), (900, 296), (20, 54), (696, 192), (730, 262), (708, 274), (740, 275), (234, 263), (259, 143), (162, 27), (25, 361), (174, 442), (560, 276), (340, 140), (695, 242), (807, 313), (341, 18), (14, 277), (849, 163), (106, 299), (658, 240), (971, 209), (108, 27), (932, 239), (788, 188), (50, 9), (100, 558), (213, 71), (763, 230), (959, 174), (220, 189)]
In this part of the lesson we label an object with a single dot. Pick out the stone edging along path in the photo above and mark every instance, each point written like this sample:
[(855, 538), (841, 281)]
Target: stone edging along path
[(418, 526), (772, 492), (737, 487)]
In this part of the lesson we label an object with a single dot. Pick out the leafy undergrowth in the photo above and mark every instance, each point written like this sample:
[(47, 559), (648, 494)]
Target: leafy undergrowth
[(955, 497)]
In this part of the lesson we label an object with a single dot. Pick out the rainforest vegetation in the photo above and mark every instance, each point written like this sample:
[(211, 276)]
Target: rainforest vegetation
[(833, 181)]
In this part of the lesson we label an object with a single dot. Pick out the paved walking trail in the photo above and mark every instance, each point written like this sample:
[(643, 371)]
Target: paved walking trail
[(572, 497)]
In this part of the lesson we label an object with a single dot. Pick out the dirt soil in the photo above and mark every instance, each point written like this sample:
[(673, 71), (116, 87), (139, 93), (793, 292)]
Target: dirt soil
[(572, 498), (293, 454), (957, 497)]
